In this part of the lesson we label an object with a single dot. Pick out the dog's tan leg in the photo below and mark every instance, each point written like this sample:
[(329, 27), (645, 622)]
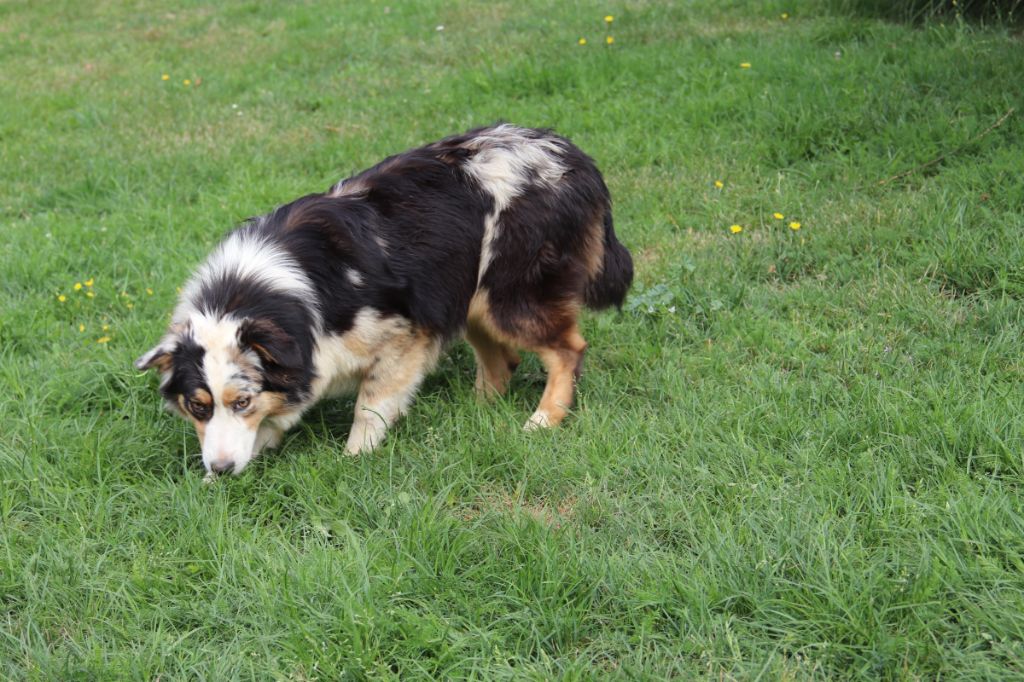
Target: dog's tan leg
[(495, 362), (388, 388), (563, 362)]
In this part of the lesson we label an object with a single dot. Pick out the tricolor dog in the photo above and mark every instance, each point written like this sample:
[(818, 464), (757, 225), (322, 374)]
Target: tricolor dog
[(499, 236)]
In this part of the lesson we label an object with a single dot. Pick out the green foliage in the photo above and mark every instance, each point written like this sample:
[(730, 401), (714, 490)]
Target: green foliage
[(1011, 11), (796, 454)]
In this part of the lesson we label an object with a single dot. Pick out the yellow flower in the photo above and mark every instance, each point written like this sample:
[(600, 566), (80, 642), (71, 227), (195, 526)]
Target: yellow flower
[(778, 216), (186, 82), (582, 41), (81, 327), (129, 305), (89, 294), (745, 65), (149, 291), (609, 19), (609, 40), (106, 327), (794, 225), (89, 282), (78, 286), (61, 297), (165, 77), (785, 15), (719, 184), (103, 339), (736, 229)]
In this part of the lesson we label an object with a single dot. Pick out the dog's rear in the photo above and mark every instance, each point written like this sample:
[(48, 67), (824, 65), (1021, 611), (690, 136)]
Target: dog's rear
[(549, 248)]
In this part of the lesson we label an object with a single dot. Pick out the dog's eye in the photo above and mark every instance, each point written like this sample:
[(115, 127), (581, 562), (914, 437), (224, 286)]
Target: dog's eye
[(240, 404), (201, 411)]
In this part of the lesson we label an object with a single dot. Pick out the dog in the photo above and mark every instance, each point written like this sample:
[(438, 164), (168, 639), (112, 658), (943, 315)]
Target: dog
[(499, 235)]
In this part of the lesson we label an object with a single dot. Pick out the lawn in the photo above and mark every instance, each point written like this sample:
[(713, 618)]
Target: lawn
[(796, 453)]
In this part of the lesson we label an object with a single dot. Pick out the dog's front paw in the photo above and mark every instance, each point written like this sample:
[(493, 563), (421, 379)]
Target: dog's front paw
[(538, 420), (363, 438)]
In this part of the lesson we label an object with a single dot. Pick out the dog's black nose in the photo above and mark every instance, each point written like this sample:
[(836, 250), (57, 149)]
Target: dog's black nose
[(222, 466)]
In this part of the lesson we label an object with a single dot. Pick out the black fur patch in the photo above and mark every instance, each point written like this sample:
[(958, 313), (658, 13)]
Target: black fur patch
[(187, 370)]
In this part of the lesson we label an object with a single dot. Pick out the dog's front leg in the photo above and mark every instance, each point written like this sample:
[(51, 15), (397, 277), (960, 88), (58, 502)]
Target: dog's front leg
[(387, 390)]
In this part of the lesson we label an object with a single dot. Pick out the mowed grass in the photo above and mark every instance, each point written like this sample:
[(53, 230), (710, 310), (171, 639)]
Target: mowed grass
[(796, 454)]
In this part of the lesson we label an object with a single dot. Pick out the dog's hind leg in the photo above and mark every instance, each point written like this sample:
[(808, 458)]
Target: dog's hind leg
[(495, 362), (563, 360), (388, 388)]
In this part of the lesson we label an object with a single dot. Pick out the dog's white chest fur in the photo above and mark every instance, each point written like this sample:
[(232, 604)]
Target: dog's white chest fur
[(342, 360)]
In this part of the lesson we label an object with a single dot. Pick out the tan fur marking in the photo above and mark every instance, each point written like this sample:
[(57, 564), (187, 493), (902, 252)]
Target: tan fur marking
[(562, 357), (593, 248), (266, 404), (479, 316), (348, 188), (200, 430), (231, 393), (563, 361), (201, 396), (495, 362), (389, 385)]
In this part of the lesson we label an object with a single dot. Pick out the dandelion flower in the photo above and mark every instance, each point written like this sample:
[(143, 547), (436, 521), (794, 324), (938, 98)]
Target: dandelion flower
[(745, 65), (609, 19), (103, 339), (719, 184), (129, 305), (89, 282), (89, 294), (582, 41), (78, 286), (736, 229), (609, 40), (186, 82), (165, 77), (794, 226), (61, 297), (106, 327), (149, 292), (778, 216), (784, 15), (81, 327)]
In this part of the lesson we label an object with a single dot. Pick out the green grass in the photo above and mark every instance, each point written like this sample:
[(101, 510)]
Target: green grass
[(796, 455)]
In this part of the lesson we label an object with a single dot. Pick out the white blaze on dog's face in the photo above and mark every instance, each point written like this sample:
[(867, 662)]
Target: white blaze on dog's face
[(233, 378)]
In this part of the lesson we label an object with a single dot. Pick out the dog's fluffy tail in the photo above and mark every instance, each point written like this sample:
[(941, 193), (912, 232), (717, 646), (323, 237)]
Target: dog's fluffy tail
[(609, 286)]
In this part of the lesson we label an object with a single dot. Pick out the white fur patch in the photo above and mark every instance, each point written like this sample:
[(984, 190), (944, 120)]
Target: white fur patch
[(341, 359), (505, 160), (248, 255), (354, 277), (347, 187)]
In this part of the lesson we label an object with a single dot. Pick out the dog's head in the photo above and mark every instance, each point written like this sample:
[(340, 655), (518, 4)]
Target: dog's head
[(226, 376)]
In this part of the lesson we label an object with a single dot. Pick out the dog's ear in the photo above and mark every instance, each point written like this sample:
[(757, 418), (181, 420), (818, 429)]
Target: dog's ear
[(158, 356), (274, 345)]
